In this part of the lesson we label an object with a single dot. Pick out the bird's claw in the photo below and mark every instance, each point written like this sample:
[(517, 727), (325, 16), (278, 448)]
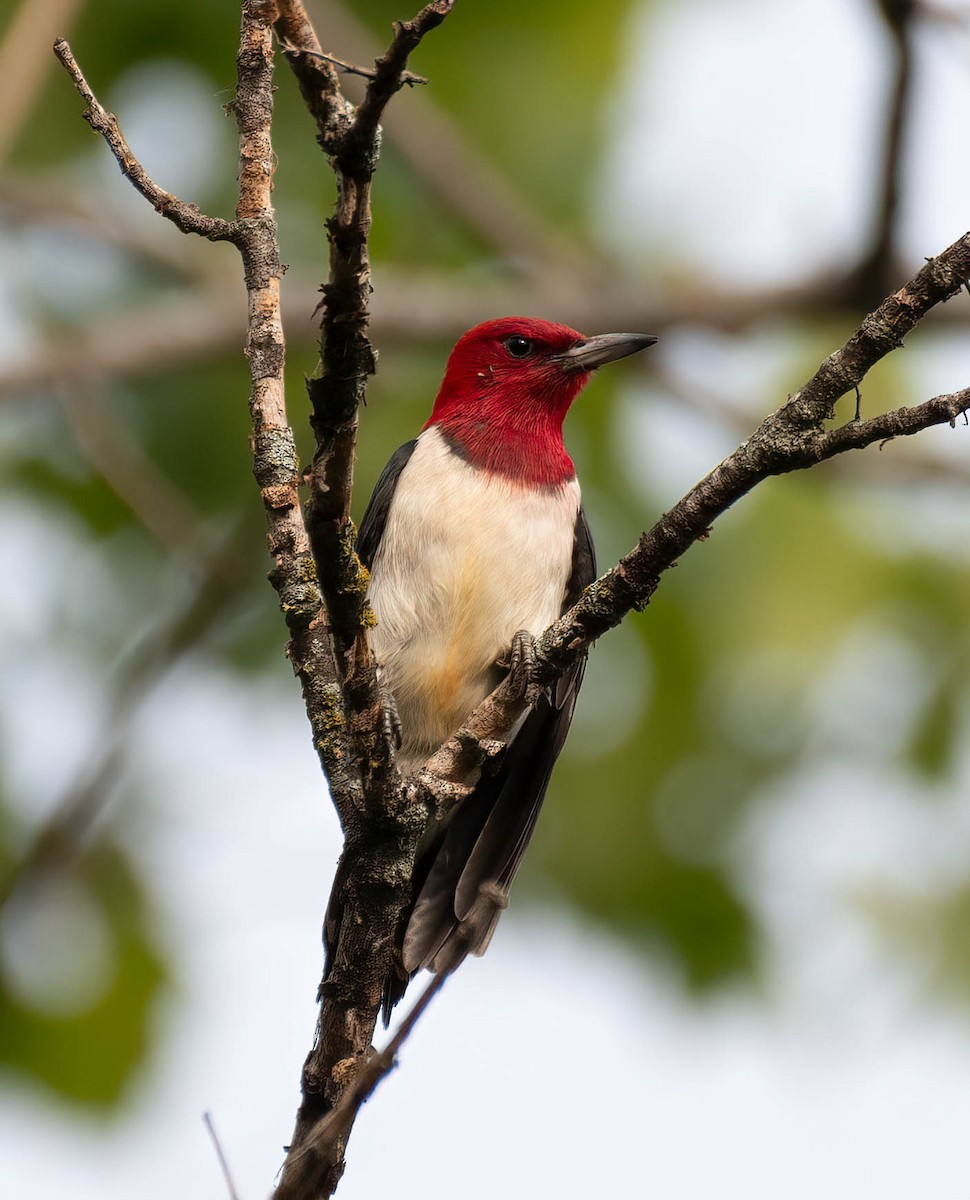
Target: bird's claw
[(522, 656), (390, 718)]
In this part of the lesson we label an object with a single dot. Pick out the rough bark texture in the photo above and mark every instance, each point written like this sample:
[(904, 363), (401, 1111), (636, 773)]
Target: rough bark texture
[(380, 840)]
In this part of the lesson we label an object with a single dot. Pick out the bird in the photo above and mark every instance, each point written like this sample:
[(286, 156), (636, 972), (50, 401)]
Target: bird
[(475, 536)]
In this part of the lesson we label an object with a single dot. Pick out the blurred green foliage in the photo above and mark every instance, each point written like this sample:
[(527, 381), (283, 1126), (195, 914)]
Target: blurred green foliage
[(76, 997), (716, 676)]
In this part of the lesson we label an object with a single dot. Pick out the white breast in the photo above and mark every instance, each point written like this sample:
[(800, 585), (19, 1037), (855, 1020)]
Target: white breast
[(466, 560)]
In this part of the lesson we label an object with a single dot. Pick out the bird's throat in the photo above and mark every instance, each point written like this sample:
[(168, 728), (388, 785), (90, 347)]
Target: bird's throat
[(530, 453)]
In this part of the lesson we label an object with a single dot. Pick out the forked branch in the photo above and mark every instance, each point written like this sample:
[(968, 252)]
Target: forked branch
[(275, 465), (382, 816)]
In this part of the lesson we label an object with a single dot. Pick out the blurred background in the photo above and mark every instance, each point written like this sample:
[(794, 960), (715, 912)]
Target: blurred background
[(738, 956)]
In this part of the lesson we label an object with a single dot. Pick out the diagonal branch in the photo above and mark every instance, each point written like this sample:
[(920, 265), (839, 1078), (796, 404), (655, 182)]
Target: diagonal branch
[(790, 439), (320, 1153), (187, 217), (468, 183)]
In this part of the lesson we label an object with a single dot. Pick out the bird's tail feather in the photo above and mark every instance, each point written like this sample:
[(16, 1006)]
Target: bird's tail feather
[(468, 872)]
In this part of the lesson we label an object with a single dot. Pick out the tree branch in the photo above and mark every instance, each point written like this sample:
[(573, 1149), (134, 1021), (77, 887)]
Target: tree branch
[(275, 464), (320, 1154), (373, 882), (790, 439), (471, 186), (358, 149), (315, 75), (187, 217), (349, 68)]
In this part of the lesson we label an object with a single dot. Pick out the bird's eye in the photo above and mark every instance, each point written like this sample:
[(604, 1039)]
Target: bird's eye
[(519, 347)]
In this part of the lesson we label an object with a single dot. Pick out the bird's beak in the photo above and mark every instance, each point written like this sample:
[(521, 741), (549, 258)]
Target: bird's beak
[(604, 348)]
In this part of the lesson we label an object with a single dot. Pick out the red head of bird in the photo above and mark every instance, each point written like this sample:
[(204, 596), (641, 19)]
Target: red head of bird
[(508, 386)]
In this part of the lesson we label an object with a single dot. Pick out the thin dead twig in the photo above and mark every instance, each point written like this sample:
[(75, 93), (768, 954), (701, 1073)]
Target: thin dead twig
[(441, 154), (316, 77), (315, 1156), (186, 217), (223, 1162), (349, 68), (390, 75)]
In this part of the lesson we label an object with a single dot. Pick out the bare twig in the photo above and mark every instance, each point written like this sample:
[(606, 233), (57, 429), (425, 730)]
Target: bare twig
[(349, 68), (186, 217), (470, 185), (390, 76), (320, 1153), (223, 1163)]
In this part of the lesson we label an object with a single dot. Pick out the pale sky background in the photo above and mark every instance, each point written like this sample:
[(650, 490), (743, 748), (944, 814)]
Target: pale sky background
[(557, 1065)]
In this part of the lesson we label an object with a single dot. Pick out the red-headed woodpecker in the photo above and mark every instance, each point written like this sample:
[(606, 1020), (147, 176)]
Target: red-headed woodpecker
[(474, 533)]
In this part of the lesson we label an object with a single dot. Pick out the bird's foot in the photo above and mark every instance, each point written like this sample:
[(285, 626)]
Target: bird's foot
[(522, 656), (390, 718)]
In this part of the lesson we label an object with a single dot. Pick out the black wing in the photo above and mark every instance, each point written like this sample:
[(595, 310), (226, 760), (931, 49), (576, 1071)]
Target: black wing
[(462, 880), (375, 518)]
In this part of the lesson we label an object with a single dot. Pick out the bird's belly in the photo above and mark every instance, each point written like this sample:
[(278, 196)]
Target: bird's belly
[(466, 561)]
